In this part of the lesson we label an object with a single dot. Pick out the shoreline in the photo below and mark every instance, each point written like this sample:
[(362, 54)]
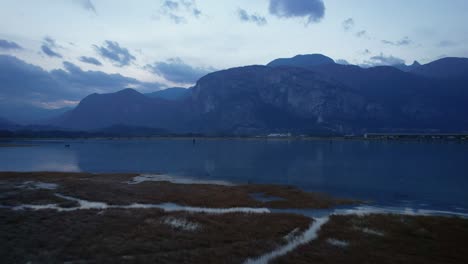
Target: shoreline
[(419, 139), (140, 188)]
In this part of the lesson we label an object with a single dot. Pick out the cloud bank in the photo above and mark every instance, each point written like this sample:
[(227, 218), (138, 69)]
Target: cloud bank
[(27, 84)]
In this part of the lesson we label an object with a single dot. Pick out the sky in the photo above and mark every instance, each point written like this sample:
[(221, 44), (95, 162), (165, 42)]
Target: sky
[(77, 47)]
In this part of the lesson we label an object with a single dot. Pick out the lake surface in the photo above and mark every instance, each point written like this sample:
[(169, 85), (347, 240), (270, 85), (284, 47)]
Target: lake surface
[(427, 175)]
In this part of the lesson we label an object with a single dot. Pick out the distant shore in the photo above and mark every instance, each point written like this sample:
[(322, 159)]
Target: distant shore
[(368, 137)]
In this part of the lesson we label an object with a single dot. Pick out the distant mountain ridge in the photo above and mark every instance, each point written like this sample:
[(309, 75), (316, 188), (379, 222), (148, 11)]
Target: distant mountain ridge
[(446, 68), (174, 93), (407, 68), (126, 107), (302, 61), (27, 114), (7, 124), (301, 95)]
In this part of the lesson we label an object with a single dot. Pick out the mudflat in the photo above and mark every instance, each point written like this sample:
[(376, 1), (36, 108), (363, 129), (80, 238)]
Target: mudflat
[(155, 189), (50, 217)]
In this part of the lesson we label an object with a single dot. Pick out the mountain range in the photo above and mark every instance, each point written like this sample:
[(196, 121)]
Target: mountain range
[(306, 94)]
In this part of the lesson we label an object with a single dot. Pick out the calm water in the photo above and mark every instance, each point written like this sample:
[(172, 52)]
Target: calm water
[(431, 175)]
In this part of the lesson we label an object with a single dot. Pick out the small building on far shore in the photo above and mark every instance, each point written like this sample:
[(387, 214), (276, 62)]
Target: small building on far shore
[(431, 136)]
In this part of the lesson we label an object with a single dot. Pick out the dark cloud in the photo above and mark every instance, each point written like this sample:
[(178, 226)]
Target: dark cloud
[(90, 60), (27, 84), (196, 12), (87, 5), (403, 42), (175, 70), (21, 79), (348, 24), (112, 51), (172, 5), (92, 80), (48, 47), (178, 10), (382, 60), (9, 45), (254, 18), (49, 52), (313, 10)]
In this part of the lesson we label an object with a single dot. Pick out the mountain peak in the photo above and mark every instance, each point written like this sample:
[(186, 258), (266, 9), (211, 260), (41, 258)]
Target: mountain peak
[(444, 68), (407, 68), (306, 60), (416, 64), (128, 91)]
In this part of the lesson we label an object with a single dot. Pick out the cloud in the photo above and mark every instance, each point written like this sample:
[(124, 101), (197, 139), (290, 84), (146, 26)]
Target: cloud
[(348, 24), (403, 42), (175, 70), (94, 81), (172, 5), (178, 10), (87, 5), (27, 84), (90, 60), (254, 18), (382, 60), (361, 33), (9, 45), (446, 43), (196, 12), (112, 51), (366, 52), (313, 10), (49, 52), (342, 62), (177, 19), (20, 79), (48, 46)]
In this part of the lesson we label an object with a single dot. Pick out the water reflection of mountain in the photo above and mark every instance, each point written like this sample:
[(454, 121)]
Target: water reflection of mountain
[(375, 170), (369, 170)]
